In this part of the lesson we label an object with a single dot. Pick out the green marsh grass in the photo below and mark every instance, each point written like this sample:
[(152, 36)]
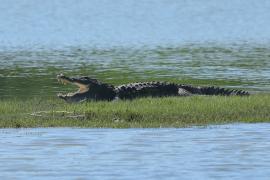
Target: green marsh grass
[(144, 112)]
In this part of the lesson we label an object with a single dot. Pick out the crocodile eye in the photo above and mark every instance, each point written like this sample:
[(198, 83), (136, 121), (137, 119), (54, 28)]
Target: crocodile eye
[(85, 78)]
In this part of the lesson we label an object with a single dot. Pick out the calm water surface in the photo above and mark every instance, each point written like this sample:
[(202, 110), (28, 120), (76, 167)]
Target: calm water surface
[(103, 23), (225, 42), (238, 151), (119, 41)]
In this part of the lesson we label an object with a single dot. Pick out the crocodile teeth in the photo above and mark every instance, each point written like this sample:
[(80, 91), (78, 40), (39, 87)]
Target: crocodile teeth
[(70, 94), (62, 81)]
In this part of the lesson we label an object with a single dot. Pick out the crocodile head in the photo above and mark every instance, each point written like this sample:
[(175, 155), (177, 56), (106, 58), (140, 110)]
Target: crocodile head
[(89, 89)]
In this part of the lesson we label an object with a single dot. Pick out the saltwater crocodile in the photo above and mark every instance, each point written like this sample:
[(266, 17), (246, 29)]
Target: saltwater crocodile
[(92, 89)]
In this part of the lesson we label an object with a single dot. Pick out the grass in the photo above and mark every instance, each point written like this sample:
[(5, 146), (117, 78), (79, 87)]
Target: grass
[(145, 112)]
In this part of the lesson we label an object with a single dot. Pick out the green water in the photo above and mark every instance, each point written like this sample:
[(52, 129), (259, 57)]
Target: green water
[(28, 73), (198, 42)]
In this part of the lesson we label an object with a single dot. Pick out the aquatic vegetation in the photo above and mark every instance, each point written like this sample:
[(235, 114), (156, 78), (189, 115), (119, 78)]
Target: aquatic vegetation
[(32, 73)]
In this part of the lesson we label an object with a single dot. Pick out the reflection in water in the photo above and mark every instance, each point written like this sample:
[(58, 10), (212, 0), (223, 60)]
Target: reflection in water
[(121, 41), (130, 23), (32, 73), (118, 41), (235, 151)]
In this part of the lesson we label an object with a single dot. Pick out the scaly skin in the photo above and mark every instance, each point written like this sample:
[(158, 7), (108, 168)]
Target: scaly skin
[(92, 89)]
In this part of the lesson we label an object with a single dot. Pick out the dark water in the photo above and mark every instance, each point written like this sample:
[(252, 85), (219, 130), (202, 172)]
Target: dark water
[(238, 151), (205, 42)]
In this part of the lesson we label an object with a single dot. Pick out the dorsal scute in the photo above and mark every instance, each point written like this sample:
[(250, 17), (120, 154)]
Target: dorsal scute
[(142, 89), (143, 85)]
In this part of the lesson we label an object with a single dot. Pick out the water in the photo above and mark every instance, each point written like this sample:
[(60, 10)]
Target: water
[(104, 23), (208, 42), (237, 151), (201, 41), (33, 73)]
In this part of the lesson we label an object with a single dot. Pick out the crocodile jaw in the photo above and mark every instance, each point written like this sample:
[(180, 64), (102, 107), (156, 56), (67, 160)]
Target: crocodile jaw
[(75, 96)]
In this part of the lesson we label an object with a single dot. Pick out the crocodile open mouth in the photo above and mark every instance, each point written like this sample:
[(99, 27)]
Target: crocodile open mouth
[(76, 81)]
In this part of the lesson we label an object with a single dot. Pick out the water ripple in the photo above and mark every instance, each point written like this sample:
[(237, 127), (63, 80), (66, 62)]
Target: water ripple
[(237, 151)]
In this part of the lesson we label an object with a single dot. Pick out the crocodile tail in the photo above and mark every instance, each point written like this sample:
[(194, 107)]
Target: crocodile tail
[(213, 91), (222, 91)]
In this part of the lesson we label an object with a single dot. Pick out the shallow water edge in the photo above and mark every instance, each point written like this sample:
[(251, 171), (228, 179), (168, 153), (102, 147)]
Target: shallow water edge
[(234, 150)]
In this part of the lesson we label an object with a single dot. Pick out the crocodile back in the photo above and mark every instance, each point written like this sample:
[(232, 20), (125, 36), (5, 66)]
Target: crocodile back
[(144, 89)]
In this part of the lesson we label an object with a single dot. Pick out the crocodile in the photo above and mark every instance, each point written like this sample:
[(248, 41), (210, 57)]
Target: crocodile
[(92, 89)]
